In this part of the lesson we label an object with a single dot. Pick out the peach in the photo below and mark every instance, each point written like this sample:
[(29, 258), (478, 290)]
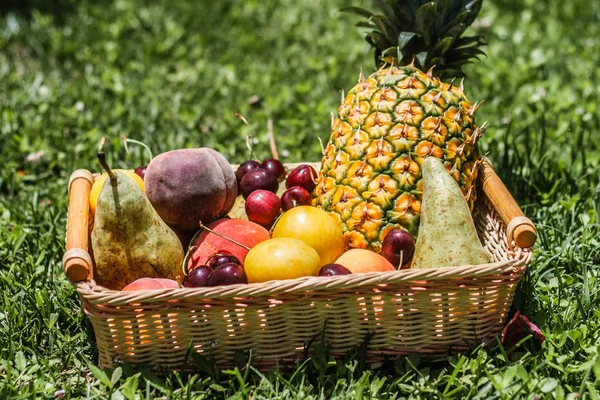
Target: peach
[(361, 261), (245, 232), (151, 284), (186, 186)]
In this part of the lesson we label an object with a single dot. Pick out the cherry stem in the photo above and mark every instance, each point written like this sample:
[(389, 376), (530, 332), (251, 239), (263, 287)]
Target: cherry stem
[(191, 248), (223, 236), (249, 137), (272, 138), (144, 145), (401, 259)]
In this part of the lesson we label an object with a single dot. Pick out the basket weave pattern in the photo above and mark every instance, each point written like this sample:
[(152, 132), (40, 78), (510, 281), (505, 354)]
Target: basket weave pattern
[(429, 311)]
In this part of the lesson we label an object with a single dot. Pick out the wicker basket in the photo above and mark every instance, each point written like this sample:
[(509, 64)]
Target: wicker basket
[(429, 311)]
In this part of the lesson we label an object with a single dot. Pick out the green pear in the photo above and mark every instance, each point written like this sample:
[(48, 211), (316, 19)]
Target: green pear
[(130, 240), (447, 234)]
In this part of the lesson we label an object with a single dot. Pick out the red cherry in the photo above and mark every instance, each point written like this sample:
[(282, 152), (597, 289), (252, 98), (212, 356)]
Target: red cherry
[(258, 179), (303, 175), (218, 259), (141, 171), (398, 246), (245, 167), (263, 207), (227, 274), (293, 197), (275, 167), (334, 269), (198, 277)]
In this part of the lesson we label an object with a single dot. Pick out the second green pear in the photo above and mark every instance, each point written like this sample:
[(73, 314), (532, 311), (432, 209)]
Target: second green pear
[(447, 234)]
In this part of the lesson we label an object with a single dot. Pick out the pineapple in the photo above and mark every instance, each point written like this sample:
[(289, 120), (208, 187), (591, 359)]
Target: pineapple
[(370, 178)]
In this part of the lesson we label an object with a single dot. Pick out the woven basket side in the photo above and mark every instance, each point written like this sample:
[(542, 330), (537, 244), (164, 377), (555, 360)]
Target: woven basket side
[(433, 311)]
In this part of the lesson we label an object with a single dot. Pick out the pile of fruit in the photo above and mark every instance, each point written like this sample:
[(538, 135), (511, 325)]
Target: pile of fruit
[(143, 221), (395, 188)]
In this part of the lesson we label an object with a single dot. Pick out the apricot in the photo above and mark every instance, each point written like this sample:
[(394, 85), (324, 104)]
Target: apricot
[(186, 186), (245, 232), (151, 284), (361, 261)]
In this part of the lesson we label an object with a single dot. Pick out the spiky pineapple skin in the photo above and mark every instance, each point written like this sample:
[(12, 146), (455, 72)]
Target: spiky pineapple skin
[(370, 177)]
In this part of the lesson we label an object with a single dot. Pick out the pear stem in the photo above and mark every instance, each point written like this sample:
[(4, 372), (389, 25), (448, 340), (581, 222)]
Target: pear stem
[(223, 236), (102, 158)]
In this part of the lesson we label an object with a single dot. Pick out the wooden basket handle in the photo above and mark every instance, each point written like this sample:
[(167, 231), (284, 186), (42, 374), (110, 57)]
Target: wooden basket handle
[(77, 262), (518, 227)]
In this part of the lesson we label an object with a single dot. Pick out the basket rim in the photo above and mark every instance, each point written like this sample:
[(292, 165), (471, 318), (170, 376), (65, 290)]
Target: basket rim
[(100, 295)]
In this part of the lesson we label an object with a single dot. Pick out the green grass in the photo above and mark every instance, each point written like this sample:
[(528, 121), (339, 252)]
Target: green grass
[(172, 74)]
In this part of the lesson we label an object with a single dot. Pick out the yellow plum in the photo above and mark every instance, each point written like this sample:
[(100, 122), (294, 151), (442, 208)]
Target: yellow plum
[(281, 258)]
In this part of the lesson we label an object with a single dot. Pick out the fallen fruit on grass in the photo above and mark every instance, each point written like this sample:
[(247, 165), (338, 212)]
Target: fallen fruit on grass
[(303, 175), (245, 167), (227, 274), (219, 259), (258, 179), (244, 232), (334, 269), (198, 277), (151, 284), (294, 197), (263, 207), (190, 185), (398, 247), (275, 167), (314, 227), (362, 260), (281, 258), (97, 186)]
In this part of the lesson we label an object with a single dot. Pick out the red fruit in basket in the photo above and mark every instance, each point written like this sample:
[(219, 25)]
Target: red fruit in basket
[(244, 232), (198, 277), (275, 167), (141, 171), (258, 179), (219, 259), (334, 269), (151, 284), (263, 207), (227, 274), (245, 167), (303, 175), (398, 246), (294, 197)]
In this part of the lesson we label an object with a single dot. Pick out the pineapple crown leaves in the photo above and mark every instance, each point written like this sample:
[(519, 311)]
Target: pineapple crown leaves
[(428, 33)]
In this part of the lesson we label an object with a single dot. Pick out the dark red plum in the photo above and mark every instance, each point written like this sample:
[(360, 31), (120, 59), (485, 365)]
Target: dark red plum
[(227, 274), (258, 179)]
